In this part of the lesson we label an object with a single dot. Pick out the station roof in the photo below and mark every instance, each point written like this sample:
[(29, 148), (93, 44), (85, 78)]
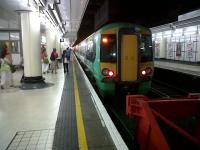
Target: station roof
[(80, 18)]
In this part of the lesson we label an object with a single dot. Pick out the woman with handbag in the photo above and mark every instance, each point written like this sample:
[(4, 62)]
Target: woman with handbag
[(5, 70), (45, 60), (53, 58)]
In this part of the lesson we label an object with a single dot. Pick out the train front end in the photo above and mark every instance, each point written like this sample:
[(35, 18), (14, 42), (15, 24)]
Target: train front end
[(126, 60)]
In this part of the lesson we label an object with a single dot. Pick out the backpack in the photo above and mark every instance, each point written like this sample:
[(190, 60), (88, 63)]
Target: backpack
[(12, 68), (68, 53), (52, 58)]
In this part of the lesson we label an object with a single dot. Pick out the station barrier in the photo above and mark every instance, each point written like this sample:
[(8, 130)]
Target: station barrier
[(165, 124)]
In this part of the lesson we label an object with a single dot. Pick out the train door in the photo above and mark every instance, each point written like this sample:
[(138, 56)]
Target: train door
[(128, 55)]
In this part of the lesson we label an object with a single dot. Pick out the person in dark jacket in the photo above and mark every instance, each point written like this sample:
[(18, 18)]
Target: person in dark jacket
[(68, 53), (66, 58)]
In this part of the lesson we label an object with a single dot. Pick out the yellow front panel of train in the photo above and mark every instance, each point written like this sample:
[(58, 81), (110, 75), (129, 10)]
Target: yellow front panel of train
[(129, 58)]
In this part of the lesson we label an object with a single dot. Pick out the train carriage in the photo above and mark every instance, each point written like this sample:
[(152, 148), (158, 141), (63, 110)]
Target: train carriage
[(120, 57)]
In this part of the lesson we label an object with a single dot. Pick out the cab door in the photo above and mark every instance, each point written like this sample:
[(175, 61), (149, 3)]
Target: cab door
[(128, 55)]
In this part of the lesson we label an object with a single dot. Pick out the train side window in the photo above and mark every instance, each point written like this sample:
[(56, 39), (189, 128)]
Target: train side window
[(87, 55), (87, 52), (90, 53), (108, 48), (93, 50)]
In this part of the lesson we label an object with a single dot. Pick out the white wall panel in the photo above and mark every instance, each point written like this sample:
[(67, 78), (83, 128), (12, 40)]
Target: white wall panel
[(4, 36), (16, 59), (3, 23), (51, 40)]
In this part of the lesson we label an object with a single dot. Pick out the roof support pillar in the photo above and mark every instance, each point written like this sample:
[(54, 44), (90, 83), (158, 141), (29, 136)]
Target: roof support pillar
[(30, 28)]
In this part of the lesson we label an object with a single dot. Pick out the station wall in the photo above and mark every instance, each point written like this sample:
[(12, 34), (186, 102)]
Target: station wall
[(181, 44)]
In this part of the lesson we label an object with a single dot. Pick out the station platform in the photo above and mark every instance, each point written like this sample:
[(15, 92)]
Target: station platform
[(66, 115), (190, 69)]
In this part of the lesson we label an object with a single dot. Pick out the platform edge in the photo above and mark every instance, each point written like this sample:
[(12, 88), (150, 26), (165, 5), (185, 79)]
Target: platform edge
[(116, 137)]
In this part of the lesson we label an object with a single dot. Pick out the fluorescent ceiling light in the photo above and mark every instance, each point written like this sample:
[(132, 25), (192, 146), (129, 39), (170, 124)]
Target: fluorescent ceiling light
[(56, 15)]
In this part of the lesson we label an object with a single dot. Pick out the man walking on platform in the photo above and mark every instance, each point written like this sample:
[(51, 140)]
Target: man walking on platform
[(66, 59)]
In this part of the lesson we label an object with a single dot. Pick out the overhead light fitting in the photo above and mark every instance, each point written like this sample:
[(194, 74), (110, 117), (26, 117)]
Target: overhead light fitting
[(64, 22), (57, 1), (42, 3), (57, 18), (51, 6)]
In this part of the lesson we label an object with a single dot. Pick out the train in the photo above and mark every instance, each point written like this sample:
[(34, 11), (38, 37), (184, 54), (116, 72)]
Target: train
[(119, 56)]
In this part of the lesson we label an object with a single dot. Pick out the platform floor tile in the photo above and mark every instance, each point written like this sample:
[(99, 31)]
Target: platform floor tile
[(32, 140)]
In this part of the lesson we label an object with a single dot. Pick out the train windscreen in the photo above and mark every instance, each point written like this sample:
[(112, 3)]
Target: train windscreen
[(146, 51), (108, 52)]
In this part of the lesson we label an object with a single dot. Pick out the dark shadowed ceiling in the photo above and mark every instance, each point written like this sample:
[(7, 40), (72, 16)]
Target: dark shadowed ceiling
[(148, 13)]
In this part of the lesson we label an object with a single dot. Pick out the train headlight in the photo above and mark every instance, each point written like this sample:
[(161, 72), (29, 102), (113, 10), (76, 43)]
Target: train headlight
[(105, 71)]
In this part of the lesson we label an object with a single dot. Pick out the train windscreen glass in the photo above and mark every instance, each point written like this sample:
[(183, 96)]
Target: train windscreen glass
[(108, 50), (146, 51)]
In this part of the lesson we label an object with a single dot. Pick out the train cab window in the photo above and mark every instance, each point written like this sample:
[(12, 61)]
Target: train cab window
[(146, 51), (108, 52)]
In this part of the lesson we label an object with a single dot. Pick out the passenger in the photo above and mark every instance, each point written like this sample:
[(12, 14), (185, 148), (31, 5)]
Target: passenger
[(66, 58), (22, 65), (68, 53), (5, 70), (45, 61), (54, 56)]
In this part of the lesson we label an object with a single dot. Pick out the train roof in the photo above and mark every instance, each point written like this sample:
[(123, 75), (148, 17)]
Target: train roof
[(120, 25)]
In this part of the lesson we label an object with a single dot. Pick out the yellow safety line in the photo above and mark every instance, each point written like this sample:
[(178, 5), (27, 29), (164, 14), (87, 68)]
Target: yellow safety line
[(79, 119)]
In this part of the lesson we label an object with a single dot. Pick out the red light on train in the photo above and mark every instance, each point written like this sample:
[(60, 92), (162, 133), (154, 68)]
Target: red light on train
[(110, 73), (143, 72), (146, 71), (105, 40), (107, 72)]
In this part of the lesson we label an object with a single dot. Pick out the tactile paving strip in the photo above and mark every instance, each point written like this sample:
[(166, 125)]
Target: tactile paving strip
[(32, 140), (66, 130)]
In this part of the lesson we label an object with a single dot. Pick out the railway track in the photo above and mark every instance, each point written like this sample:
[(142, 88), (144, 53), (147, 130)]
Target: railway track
[(126, 125), (163, 90), (178, 80)]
